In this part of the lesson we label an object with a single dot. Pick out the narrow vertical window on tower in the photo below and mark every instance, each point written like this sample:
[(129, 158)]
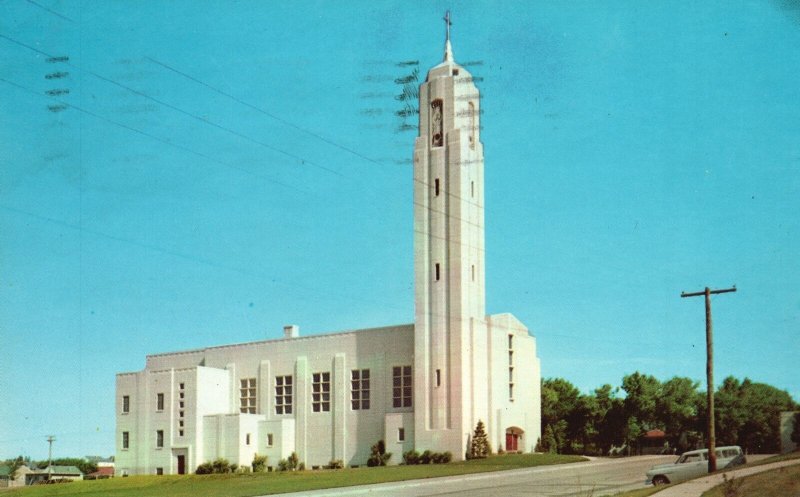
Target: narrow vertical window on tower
[(437, 124), (511, 367), (436, 187), (473, 272), (472, 125), (472, 189), (438, 272)]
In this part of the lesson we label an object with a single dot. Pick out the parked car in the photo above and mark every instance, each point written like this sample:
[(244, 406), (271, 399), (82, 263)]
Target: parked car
[(694, 463)]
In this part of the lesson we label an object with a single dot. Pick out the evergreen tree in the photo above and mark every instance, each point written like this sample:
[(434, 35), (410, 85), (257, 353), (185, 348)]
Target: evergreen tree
[(479, 448)]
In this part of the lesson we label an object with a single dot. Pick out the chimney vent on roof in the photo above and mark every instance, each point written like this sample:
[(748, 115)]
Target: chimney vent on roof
[(291, 331)]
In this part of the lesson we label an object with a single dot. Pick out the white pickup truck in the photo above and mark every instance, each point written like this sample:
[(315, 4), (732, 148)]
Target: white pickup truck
[(694, 463)]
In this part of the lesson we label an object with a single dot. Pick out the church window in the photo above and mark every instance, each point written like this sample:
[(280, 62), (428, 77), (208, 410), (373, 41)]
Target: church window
[(438, 272), (159, 439), (401, 386), (473, 272), (401, 434), (455, 72), (472, 125), (321, 392), (436, 186), (247, 395), (437, 124), (472, 188), (269, 439), (511, 367), (159, 471), (126, 403), (247, 439), (125, 439), (438, 377), (359, 389), (283, 394), (160, 402)]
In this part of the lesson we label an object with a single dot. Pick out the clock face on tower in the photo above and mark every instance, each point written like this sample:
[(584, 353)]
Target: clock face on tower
[(437, 131)]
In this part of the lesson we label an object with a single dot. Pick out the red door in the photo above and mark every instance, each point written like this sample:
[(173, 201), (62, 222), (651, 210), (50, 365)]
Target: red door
[(181, 464), (512, 442)]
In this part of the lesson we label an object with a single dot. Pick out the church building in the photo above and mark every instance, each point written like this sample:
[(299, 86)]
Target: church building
[(327, 397)]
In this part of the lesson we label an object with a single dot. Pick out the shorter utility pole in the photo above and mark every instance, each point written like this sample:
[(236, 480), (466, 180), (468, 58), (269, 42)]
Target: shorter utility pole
[(50, 440), (712, 454)]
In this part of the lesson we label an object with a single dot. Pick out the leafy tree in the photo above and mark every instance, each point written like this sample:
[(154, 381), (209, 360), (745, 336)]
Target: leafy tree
[(479, 447), (678, 407)]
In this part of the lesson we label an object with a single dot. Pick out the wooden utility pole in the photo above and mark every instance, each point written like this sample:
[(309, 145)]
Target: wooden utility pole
[(712, 454), (50, 440)]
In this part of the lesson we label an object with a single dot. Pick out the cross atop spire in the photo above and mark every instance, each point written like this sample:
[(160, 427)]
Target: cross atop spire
[(448, 51)]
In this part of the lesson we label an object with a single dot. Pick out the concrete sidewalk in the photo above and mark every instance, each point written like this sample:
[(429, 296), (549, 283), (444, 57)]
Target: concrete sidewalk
[(695, 488)]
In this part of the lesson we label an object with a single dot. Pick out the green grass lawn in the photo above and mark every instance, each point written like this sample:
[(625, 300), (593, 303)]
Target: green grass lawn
[(244, 485), (781, 482)]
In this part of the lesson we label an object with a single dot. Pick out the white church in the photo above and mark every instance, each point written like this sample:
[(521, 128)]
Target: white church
[(326, 397)]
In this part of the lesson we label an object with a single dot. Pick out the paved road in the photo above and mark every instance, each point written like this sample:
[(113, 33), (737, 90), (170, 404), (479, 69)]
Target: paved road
[(695, 488), (596, 478)]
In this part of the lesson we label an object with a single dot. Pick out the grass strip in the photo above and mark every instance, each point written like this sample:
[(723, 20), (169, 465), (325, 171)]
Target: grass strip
[(250, 484)]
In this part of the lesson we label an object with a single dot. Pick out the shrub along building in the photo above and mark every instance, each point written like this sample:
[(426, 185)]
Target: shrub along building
[(421, 386)]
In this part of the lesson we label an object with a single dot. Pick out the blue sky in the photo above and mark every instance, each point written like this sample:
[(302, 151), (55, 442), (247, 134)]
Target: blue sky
[(220, 169)]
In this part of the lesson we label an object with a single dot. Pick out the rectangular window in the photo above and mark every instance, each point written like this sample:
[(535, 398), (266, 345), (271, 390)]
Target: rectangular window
[(180, 433), (180, 414), (401, 434), (160, 438), (472, 188), (438, 377), (181, 394), (321, 392), (401, 386), (126, 403), (510, 342), (247, 439), (473, 272), (182, 385), (510, 357), (180, 405), (180, 423), (125, 440), (436, 186), (159, 471), (511, 391), (359, 388), (283, 394), (438, 272), (269, 439), (247, 395), (160, 402), (511, 375)]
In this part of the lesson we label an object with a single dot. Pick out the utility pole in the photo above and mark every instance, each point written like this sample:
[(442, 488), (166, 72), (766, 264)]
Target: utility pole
[(50, 440), (712, 454)]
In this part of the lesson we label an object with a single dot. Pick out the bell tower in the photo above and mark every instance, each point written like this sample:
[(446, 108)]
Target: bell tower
[(448, 256)]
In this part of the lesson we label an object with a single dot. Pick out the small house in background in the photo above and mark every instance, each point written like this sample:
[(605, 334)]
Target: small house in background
[(102, 473), (16, 478), (54, 474), (654, 442)]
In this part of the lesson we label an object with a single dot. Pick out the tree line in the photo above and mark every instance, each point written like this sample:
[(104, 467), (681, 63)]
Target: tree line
[(747, 414)]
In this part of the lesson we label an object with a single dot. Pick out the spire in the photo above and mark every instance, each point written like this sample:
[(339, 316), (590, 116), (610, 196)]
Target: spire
[(448, 50)]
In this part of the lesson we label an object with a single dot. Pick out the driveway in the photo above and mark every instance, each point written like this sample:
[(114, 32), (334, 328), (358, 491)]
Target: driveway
[(600, 476)]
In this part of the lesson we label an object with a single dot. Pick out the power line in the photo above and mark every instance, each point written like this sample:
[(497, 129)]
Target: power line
[(50, 10), (302, 160), (154, 137), (262, 111)]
